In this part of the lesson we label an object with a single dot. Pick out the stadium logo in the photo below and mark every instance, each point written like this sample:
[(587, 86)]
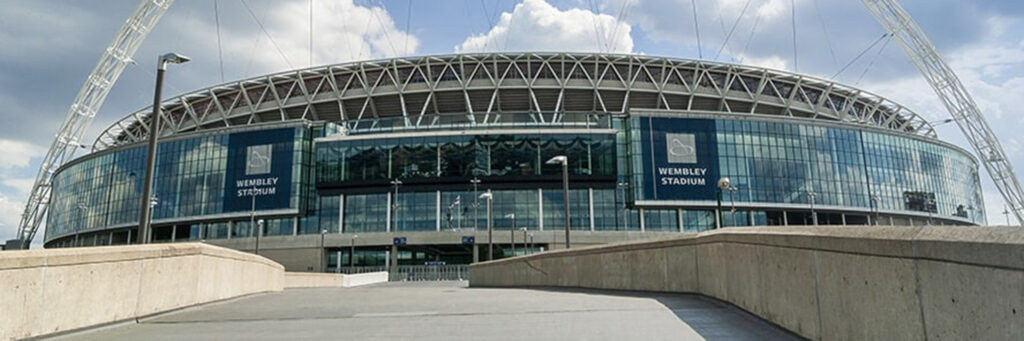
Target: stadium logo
[(681, 148), (257, 159)]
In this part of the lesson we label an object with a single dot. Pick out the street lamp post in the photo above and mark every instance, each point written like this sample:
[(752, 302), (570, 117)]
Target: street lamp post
[(154, 130), (530, 245), (320, 252), (490, 241), (874, 207), (564, 161), (259, 231), (352, 256), (814, 215), (512, 232), (394, 205), (723, 183), (476, 202), (625, 212), (526, 248)]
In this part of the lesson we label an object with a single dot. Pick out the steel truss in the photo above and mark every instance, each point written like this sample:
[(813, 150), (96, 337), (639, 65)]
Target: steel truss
[(478, 88), (954, 96), (117, 55)]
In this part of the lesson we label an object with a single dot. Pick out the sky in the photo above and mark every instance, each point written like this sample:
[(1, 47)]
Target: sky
[(48, 48)]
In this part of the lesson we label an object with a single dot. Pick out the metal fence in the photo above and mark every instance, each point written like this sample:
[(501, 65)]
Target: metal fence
[(414, 272)]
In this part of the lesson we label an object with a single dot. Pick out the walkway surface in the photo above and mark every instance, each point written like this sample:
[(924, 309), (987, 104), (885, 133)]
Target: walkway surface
[(450, 311)]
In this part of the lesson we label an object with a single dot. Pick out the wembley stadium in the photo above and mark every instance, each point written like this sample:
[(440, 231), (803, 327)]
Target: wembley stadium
[(368, 163)]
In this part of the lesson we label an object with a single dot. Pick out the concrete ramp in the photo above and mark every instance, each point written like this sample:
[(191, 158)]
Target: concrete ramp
[(830, 283)]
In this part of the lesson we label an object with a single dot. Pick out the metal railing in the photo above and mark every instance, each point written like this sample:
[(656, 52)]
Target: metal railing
[(413, 272)]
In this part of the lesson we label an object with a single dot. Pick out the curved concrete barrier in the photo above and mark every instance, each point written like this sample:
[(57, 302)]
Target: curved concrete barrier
[(56, 290), (830, 283)]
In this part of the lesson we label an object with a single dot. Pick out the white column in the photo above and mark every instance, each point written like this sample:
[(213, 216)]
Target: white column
[(437, 215), (590, 193), (388, 214), (540, 208), (341, 213)]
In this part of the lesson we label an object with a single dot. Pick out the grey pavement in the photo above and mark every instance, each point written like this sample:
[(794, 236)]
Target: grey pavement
[(450, 311)]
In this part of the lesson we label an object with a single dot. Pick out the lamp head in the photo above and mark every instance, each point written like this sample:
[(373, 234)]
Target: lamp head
[(557, 160), (724, 183), (487, 196)]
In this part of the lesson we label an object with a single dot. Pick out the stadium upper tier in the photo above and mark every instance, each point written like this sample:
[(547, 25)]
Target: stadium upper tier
[(466, 89)]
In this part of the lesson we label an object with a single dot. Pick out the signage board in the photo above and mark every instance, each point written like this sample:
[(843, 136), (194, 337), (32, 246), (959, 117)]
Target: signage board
[(680, 158), (399, 241), (260, 166), (468, 240)]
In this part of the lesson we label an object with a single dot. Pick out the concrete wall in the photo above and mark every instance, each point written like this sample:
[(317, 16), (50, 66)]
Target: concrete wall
[(324, 280), (54, 290), (829, 283)]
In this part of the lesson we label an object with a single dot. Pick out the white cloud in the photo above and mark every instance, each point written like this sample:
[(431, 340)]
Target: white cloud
[(535, 25), (17, 153), (342, 31)]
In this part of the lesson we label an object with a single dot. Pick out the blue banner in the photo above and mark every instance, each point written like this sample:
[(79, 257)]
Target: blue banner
[(680, 158), (260, 166)]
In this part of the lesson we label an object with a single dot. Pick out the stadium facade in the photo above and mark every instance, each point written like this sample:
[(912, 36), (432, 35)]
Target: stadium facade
[(398, 151)]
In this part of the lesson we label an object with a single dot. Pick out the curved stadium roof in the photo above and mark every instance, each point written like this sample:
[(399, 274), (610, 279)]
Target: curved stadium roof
[(473, 88)]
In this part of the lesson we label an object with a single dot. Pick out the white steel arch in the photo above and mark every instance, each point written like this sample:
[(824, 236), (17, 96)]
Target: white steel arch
[(954, 96), (117, 55)]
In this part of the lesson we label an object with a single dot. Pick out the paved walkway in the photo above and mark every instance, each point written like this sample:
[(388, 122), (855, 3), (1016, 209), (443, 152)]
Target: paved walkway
[(450, 311)]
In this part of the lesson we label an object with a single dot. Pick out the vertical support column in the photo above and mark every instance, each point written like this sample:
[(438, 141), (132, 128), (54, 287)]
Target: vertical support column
[(641, 213), (590, 200), (388, 215), (437, 215), (341, 213), (785, 219), (540, 209), (679, 219), (476, 253), (394, 257)]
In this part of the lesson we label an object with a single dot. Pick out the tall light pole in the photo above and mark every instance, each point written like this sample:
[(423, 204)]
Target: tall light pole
[(814, 215), (512, 232), (732, 202), (625, 212), (320, 252), (526, 248), (476, 202), (154, 130), (490, 233), (252, 211), (259, 231), (394, 206), (723, 184), (874, 206), (564, 161), (352, 256)]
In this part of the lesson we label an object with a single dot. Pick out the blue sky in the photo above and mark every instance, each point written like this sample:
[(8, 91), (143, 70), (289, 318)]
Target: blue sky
[(47, 48)]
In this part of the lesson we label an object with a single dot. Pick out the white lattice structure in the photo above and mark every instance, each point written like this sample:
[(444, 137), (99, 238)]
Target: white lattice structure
[(478, 88), (88, 101)]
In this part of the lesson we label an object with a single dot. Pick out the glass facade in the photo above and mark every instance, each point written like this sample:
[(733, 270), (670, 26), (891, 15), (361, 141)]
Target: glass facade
[(190, 183), (341, 184), (463, 156)]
